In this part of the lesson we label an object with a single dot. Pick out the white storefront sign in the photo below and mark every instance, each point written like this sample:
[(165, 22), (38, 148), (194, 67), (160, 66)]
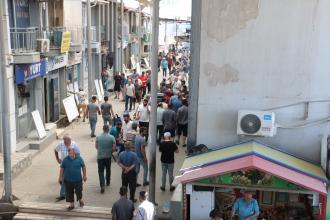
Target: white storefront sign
[(57, 62), (75, 58)]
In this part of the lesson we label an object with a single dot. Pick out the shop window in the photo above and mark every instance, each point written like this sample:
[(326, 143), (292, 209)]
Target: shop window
[(24, 105), (146, 48), (23, 98)]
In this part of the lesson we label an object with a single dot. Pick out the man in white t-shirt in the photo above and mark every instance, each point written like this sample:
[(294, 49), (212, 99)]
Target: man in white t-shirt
[(127, 125), (61, 151), (146, 210), (176, 85), (143, 115), (130, 94)]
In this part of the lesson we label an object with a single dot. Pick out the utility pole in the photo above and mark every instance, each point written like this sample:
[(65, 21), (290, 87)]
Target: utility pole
[(89, 50), (153, 114), (165, 37), (5, 53), (115, 38), (122, 36), (176, 33), (139, 34)]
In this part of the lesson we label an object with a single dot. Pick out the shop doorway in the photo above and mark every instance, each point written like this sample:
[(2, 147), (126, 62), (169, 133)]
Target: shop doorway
[(52, 98), (274, 205)]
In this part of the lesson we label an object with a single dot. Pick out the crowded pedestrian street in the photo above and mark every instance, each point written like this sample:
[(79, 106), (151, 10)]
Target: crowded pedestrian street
[(38, 183), (164, 110)]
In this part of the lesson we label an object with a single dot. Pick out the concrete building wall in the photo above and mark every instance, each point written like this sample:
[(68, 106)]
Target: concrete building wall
[(72, 13), (261, 54)]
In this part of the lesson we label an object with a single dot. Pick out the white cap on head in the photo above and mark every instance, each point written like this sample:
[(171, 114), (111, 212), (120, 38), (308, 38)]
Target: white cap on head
[(167, 134)]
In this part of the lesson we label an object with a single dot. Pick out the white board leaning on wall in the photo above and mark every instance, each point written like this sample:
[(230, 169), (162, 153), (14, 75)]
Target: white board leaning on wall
[(98, 90), (39, 124), (70, 107)]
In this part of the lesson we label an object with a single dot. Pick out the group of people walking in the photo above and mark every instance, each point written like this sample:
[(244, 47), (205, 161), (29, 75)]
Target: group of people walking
[(124, 139), (73, 174)]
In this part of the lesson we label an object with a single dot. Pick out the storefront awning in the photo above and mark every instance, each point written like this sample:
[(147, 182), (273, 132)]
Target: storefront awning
[(254, 155)]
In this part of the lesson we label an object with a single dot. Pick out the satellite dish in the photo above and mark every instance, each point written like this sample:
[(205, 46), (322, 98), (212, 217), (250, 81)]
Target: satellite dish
[(250, 124)]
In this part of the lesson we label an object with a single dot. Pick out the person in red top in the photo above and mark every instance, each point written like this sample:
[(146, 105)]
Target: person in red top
[(170, 62), (168, 93), (144, 80)]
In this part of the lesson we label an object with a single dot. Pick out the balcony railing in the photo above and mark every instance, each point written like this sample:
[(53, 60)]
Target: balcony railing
[(23, 40), (76, 34), (93, 34), (54, 34)]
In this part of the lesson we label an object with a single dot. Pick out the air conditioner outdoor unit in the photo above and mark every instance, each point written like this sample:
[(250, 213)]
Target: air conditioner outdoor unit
[(256, 123), (43, 45)]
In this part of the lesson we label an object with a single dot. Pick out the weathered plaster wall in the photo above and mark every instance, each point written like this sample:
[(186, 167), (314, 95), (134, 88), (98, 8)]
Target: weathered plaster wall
[(72, 13), (260, 54)]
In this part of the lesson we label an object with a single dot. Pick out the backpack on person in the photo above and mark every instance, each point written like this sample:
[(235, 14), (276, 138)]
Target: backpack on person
[(116, 119)]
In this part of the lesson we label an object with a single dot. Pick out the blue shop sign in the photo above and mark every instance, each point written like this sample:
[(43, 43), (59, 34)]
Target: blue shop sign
[(25, 72)]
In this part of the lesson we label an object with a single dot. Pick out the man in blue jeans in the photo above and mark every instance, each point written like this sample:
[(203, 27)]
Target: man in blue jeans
[(130, 94), (140, 150), (164, 65), (167, 148), (91, 113), (107, 111), (105, 145)]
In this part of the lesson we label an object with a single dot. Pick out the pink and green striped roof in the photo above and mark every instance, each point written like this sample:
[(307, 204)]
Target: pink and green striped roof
[(259, 150)]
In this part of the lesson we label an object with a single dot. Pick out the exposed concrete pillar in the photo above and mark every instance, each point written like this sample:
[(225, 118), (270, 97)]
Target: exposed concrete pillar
[(98, 57), (112, 18), (115, 37), (194, 72)]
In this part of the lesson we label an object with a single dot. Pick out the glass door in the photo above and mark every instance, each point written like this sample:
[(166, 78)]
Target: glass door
[(53, 97)]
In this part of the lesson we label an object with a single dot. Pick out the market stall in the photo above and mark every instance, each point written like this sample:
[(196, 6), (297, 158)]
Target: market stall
[(285, 186)]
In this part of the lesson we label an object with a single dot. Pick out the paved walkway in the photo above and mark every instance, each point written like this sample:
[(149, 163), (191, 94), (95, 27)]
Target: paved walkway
[(38, 183)]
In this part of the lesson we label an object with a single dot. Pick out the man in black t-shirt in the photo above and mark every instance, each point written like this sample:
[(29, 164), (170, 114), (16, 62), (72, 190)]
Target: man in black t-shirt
[(117, 88), (167, 148)]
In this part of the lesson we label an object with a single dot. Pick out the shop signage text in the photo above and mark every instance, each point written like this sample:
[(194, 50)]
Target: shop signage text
[(65, 44), (75, 58), (26, 72), (57, 62)]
